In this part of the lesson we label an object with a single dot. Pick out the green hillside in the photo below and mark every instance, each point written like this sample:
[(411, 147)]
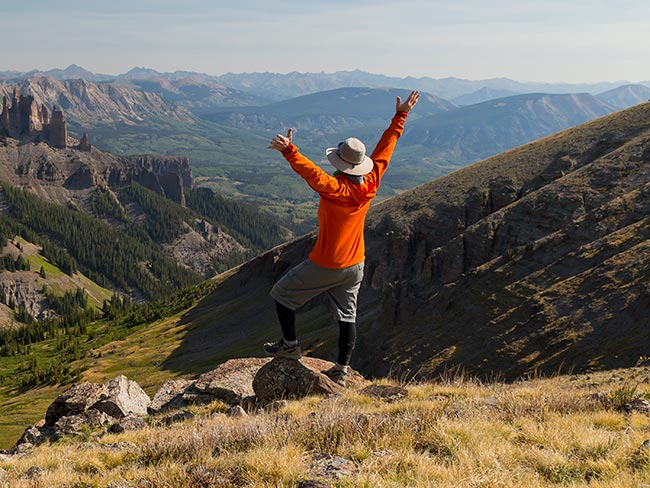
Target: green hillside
[(110, 256), (46, 276), (129, 339)]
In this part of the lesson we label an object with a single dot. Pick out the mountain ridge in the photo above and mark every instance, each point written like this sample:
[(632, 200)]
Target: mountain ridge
[(626, 96), (287, 85)]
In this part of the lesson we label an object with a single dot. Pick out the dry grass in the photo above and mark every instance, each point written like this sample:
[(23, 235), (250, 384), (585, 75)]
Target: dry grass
[(538, 433)]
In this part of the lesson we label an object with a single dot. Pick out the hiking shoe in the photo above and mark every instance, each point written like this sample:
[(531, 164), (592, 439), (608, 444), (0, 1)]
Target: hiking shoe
[(338, 376), (281, 349)]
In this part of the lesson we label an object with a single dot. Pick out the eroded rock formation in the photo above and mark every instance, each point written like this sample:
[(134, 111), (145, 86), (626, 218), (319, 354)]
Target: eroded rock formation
[(25, 120)]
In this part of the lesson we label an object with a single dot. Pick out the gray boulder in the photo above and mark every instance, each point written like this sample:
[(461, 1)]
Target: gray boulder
[(231, 381), (122, 398), (170, 396), (75, 400), (237, 411), (332, 467), (285, 378), (130, 422), (314, 484), (177, 394), (71, 424), (97, 419)]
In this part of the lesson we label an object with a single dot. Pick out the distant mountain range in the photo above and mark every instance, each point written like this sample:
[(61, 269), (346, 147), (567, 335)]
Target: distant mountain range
[(478, 131), (227, 145), (626, 96), (483, 95), (327, 112), (277, 86)]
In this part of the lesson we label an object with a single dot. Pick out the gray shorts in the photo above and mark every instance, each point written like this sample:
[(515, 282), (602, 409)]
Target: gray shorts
[(306, 280)]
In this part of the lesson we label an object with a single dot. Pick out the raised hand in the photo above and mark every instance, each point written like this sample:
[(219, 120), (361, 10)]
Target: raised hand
[(409, 103), (281, 142)]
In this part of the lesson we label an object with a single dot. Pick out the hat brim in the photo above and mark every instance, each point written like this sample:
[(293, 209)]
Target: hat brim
[(360, 169)]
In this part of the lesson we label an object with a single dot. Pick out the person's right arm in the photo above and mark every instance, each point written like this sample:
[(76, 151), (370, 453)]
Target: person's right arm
[(386, 145)]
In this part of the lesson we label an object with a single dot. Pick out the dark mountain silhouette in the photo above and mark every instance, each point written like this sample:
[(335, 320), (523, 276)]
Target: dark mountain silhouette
[(536, 259)]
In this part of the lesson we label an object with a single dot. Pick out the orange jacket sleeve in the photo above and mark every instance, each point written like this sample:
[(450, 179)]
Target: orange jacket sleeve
[(386, 145), (315, 177)]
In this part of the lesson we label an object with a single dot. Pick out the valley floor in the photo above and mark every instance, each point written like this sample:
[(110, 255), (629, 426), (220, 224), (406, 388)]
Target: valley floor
[(588, 430)]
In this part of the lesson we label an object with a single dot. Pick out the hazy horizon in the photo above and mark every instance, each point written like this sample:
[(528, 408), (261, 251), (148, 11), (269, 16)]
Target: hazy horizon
[(180, 70), (553, 42)]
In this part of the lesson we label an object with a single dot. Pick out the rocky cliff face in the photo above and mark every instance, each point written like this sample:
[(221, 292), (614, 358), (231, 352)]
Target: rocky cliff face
[(90, 104), (530, 260), (533, 260), (66, 175)]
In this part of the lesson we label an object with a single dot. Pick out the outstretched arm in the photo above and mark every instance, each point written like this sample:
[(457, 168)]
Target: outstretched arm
[(315, 177), (384, 150)]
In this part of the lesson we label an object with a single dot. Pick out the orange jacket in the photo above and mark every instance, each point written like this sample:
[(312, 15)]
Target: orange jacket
[(343, 204)]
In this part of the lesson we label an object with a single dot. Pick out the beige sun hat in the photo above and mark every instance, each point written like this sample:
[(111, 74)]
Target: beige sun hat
[(350, 157)]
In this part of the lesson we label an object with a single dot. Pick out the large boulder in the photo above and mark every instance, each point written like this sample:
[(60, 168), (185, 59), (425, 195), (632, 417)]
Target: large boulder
[(177, 394), (122, 398), (231, 381), (75, 400), (286, 378), (170, 396)]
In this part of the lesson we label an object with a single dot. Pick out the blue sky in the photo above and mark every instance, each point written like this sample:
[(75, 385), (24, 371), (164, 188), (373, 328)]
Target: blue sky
[(551, 40)]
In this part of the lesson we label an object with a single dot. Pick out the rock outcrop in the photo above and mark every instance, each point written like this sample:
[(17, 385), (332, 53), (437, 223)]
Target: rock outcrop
[(122, 398), (120, 404), (166, 175), (285, 378), (75, 401), (231, 381), (25, 120), (176, 394)]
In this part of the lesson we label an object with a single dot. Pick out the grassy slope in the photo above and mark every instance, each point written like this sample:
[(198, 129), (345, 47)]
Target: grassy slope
[(140, 352), (564, 431), (56, 280)]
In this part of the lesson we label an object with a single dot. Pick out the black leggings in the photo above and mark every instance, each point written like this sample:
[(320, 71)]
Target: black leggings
[(287, 318), (347, 339), (347, 332)]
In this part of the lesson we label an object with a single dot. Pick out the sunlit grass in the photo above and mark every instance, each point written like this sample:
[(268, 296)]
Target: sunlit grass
[(539, 433)]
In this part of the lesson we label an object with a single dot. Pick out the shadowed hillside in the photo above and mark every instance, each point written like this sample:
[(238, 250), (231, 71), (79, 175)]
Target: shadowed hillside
[(535, 259)]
